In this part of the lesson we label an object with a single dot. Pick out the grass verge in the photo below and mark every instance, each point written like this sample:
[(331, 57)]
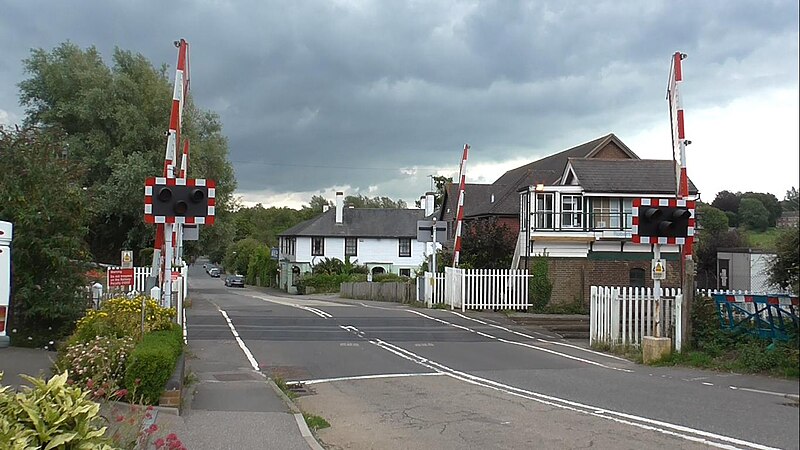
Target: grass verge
[(315, 422)]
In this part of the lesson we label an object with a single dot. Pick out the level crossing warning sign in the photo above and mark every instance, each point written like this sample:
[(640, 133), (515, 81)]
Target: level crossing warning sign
[(659, 269)]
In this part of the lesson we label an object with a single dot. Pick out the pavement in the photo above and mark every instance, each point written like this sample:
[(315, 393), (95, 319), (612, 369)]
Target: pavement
[(228, 404), (15, 361)]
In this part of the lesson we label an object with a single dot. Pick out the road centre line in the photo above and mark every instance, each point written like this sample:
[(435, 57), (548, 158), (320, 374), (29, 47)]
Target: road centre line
[(667, 428), (366, 377), (523, 344), (564, 344)]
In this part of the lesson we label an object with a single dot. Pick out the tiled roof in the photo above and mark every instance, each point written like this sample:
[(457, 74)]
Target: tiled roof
[(361, 222), (635, 176)]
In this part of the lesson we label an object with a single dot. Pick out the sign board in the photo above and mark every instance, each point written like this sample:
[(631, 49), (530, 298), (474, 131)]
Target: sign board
[(127, 259), (175, 276), (425, 231), (659, 269), (120, 277), (273, 253), (191, 233)]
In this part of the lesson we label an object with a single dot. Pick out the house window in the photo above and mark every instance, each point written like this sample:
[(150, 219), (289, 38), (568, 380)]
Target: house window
[(627, 212), (317, 246), (288, 245), (544, 211), (405, 272), (350, 246), (637, 277), (606, 213), (571, 211), (404, 247)]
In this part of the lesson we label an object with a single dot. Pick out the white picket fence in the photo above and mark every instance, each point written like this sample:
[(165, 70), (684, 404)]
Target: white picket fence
[(486, 288), (623, 315), (433, 290)]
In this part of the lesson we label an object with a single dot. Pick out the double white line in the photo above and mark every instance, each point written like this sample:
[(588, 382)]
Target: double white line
[(680, 431)]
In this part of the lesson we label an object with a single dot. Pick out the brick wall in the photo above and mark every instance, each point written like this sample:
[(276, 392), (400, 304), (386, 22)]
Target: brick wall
[(611, 151), (573, 278)]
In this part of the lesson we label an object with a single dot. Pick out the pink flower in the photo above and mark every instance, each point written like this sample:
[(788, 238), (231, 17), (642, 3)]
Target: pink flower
[(159, 443), (119, 418), (90, 383), (172, 437), (152, 429), (122, 392)]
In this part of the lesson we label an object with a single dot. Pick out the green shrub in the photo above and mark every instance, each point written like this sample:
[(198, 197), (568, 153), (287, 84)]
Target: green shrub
[(326, 282), (151, 363), (50, 415), (540, 286), (389, 278), (101, 360)]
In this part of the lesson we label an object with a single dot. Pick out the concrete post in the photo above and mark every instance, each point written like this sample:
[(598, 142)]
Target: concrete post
[(688, 300)]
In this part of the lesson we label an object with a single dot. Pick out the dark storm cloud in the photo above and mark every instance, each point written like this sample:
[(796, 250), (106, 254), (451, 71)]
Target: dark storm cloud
[(306, 88)]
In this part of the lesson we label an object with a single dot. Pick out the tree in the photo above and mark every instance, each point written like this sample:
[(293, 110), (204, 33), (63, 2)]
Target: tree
[(487, 244), (713, 220), (441, 182), (362, 201), (791, 202), (784, 271), (727, 201), (238, 256), (753, 214), (770, 202), (113, 120), (41, 195)]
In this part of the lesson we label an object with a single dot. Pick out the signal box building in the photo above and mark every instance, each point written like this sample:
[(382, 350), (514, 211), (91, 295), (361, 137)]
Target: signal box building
[(583, 223)]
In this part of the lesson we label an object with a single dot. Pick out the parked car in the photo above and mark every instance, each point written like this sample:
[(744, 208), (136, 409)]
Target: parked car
[(234, 280), (214, 272)]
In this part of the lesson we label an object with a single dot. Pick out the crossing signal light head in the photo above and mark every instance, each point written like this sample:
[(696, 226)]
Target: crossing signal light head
[(180, 201), (664, 221)]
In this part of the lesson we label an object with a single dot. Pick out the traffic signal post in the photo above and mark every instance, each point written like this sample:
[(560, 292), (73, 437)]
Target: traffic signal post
[(660, 221)]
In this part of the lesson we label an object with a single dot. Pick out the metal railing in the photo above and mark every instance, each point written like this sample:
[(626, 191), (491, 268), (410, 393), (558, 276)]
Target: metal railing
[(581, 221)]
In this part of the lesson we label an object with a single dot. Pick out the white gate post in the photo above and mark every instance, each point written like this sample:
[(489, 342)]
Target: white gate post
[(6, 229), (615, 305), (678, 322), (592, 315)]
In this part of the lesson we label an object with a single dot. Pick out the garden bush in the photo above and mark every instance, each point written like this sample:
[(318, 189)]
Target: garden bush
[(389, 278), (101, 360), (122, 317), (151, 363), (327, 283), (50, 415)]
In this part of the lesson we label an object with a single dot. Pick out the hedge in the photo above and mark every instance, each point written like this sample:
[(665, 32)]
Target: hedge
[(152, 362)]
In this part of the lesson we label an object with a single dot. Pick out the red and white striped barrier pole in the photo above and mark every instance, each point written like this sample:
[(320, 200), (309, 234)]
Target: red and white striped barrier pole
[(164, 233), (462, 177), (679, 141)]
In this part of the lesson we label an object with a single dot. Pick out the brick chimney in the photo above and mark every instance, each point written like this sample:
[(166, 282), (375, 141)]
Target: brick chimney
[(339, 206)]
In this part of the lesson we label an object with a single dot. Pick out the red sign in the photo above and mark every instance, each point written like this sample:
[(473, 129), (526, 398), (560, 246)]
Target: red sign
[(2, 319), (175, 276), (120, 277)]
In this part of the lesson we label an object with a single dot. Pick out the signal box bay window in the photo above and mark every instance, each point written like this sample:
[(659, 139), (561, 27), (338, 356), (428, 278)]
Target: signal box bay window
[(404, 247), (318, 246)]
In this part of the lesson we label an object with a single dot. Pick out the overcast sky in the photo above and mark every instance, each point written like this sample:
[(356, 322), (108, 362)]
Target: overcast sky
[(372, 97)]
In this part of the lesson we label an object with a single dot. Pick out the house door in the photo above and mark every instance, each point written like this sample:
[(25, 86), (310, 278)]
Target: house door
[(377, 270)]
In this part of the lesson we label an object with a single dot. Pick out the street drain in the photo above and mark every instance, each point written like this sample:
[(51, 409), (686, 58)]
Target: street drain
[(300, 389)]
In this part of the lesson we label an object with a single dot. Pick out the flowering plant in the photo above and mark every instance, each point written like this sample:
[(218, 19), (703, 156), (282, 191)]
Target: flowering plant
[(122, 317), (98, 361)]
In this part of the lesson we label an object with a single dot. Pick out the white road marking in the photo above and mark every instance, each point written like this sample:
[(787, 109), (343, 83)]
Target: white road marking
[(759, 391), (365, 377), (705, 383), (523, 344), (667, 428), (563, 344), (239, 340)]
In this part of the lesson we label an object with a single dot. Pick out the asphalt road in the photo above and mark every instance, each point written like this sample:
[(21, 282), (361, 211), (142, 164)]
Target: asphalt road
[(389, 376)]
